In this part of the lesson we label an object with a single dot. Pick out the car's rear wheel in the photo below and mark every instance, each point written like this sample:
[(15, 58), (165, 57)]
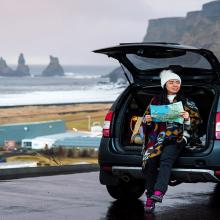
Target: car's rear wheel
[(174, 182), (126, 190)]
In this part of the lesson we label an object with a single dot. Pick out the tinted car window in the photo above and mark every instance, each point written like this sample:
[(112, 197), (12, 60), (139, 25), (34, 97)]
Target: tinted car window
[(188, 60)]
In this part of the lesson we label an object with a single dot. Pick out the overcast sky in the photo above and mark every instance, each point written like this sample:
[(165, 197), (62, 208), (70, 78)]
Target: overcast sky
[(71, 29)]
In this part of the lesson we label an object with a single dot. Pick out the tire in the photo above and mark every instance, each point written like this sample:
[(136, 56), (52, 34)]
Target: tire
[(126, 191), (174, 182)]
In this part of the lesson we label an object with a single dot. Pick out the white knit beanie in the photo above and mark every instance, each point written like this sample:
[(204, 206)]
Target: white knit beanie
[(166, 75)]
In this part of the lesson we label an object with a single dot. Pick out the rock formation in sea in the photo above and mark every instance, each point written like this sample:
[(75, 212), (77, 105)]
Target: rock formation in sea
[(21, 70), (5, 70), (54, 68), (116, 74)]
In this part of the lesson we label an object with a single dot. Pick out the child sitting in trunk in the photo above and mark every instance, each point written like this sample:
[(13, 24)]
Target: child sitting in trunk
[(165, 140)]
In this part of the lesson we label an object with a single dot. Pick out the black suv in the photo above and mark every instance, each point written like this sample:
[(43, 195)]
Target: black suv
[(119, 159)]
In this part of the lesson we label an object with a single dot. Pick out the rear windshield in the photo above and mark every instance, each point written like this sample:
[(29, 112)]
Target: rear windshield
[(188, 60)]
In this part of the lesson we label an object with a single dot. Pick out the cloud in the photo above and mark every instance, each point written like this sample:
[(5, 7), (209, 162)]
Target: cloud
[(70, 29), (114, 9)]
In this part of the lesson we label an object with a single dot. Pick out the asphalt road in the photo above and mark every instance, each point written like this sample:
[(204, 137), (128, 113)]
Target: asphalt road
[(80, 196)]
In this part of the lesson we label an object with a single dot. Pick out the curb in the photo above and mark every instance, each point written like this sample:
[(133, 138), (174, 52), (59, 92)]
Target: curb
[(17, 173)]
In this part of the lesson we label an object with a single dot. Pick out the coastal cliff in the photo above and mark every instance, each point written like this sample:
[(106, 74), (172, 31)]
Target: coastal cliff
[(198, 28)]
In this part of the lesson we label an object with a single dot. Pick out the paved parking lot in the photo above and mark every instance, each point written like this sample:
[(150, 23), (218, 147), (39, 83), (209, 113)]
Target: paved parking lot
[(80, 196)]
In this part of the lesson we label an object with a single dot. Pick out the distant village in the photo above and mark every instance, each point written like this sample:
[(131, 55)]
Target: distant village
[(53, 69)]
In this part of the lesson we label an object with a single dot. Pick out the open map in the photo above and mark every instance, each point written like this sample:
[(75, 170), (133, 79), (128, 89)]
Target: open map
[(167, 113)]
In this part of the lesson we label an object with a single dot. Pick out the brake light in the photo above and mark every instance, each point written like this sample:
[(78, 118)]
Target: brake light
[(217, 126), (217, 172), (107, 168), (107, 124)]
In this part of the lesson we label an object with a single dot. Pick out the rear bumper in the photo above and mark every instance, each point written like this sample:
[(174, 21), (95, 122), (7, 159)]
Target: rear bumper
[(110, 153), (189, 169), (182, 175)]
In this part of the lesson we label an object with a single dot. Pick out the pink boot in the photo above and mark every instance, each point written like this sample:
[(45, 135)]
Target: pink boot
[(157, 196), (150, 205)]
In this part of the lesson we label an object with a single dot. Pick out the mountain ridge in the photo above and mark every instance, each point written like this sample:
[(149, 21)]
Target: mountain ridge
[(198, 28)]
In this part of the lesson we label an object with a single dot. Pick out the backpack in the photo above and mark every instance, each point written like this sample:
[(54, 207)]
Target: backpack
[(137, 136)]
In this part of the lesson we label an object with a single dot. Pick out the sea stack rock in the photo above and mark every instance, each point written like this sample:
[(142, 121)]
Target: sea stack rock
[(54, 68), (116, 74), (4, 69), (22, 68)]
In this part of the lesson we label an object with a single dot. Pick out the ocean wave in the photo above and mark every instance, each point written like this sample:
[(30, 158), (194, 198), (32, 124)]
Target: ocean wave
[(81, 76), (61, 97)]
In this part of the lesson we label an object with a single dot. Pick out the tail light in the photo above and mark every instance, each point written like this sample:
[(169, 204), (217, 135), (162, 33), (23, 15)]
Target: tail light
[(217, 172), (217, 126), (106, 168), (107, 124)]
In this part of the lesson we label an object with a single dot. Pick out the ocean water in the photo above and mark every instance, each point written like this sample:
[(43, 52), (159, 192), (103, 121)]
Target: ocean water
[(80, 84), (76, 70)]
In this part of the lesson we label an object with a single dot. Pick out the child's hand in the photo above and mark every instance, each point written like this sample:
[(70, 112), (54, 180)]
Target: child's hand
[(185, 115)]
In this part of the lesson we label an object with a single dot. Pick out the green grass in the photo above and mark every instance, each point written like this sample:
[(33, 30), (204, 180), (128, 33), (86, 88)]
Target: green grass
[(75, 116), (82, 124)]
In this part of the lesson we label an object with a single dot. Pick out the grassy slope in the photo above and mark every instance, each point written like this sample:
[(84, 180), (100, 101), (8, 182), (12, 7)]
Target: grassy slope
[(44, 160), (75, 115)]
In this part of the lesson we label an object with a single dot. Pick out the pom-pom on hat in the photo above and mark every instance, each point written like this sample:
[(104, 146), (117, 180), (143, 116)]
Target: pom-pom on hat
[(166, 75)]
